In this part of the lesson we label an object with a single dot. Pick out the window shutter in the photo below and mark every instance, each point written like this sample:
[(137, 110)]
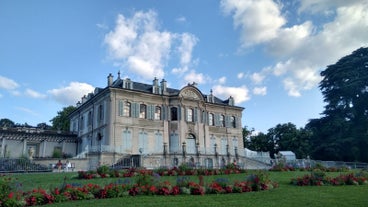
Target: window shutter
[(227, 121), (217, 119), (136, 110), (121, 108), (204, 117), (195, 114), (149, 111), (163, 112), (237, 122), (186, 114), (179, 113)]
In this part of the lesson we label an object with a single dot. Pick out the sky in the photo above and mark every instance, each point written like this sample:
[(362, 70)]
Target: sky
[(267, 54)]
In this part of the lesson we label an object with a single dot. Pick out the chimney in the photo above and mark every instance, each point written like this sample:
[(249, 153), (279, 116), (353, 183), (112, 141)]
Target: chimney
[(110, 79), (155, 86), (163, 86)]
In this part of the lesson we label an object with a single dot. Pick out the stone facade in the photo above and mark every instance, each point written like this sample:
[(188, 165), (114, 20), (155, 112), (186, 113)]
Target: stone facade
[(151, 125), (36, 143)]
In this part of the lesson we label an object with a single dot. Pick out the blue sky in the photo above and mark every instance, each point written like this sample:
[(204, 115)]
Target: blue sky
[(266, 54)]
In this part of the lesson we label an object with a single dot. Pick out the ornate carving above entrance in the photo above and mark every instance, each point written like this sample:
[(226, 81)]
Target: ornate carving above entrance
[(191, 93)]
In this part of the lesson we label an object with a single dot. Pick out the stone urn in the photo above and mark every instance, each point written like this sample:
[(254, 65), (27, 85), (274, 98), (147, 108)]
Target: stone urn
[(31, 152)]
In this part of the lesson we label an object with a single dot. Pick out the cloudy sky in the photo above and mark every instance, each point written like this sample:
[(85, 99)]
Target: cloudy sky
[(267, 54)]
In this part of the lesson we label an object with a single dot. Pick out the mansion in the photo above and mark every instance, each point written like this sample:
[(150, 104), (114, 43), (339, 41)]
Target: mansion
[(136, 124)]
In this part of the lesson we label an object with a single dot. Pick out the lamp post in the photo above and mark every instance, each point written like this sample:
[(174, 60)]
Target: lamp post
[(184, 147), (141, 158), (165, 152), (216, 155), (198, 152)]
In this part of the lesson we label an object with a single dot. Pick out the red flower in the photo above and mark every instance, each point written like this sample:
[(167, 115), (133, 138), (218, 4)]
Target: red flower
[(11, 195)]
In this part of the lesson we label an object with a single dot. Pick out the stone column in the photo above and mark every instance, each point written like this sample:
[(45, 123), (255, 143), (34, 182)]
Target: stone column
[(2, 154)]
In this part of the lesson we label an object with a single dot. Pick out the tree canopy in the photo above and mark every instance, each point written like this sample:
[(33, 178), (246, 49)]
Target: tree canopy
[(342, 132), (282, 137), (61, 121)]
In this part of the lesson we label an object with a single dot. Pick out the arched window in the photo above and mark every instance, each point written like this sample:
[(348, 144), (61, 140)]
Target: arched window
[(100, 113), (174, 113), (232, 122), (191, 142), (127, 108), (158, 113), (222, 120), (211, 121), (142, 111)]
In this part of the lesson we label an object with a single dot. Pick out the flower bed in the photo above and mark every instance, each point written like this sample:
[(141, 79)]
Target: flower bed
[(318, 178), (105, 172), (145, 185)]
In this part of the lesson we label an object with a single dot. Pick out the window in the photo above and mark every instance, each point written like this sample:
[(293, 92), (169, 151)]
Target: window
[(212, 144), (82, 123), (232, 122), (190, 115), (191, 144), (143, 142), (142, 111), (127, 141), (100, 113), (89, 119), (158, 113), (222, 120), (235, 143), (127, 109), (174, 113), (210, 119), (159, 142)]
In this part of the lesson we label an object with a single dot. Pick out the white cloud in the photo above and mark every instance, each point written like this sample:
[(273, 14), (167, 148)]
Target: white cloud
[(198, 78), (240, 75), (257, 78), (260, 91), (71, 94), (27, 110), (258, 20), (8, 84), (222, 80), (16, 93), (315, 6), (138, 44), (34, 94), (185, 49), (302, 50), (181, 19), (240, 94)]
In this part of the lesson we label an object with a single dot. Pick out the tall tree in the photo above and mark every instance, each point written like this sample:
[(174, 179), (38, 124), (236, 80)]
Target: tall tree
[(61, 121), (6, 123), (342, 133), (287, 137)]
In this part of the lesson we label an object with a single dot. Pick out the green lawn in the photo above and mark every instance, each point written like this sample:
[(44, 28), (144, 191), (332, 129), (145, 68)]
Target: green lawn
[(285, 195)]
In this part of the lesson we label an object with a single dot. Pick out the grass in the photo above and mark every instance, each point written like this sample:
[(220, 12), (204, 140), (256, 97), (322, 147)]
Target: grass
[(285, 195)]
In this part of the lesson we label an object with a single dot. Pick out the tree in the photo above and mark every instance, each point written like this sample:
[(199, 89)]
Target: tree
[(287, 137), (342, 134), (246, 133), (44, 126), (6, 123), (259, 142), (61, 121)]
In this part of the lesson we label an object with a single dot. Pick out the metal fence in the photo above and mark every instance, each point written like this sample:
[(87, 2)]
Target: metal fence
[(21, 165), (305, 163)]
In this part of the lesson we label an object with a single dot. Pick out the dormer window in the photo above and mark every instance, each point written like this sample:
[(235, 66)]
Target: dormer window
[(127, 83)]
